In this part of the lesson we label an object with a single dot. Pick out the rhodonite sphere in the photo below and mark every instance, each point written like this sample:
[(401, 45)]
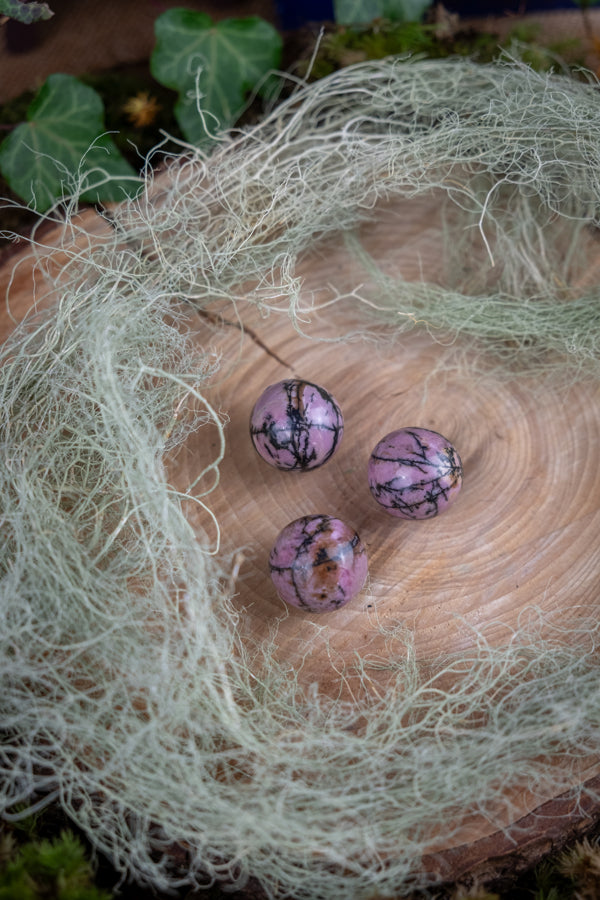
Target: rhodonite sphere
[(415, 473), (318, 563), (296, 425)]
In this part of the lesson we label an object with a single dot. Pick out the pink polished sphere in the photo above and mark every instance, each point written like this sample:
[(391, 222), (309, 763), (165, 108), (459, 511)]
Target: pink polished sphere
[(318, 563), (296, 425), (415, 473)]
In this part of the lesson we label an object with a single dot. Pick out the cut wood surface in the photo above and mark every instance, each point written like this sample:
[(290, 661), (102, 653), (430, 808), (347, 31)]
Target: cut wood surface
[(521, 537)]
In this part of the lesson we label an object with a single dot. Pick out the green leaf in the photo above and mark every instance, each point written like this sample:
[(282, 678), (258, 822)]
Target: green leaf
[(212, 66), (354, 12), (62, 149), (25, 12)]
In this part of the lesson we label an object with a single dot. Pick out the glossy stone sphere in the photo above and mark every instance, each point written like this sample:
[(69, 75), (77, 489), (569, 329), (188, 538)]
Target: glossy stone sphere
[(415, 473), (318, 563), (296, 425)]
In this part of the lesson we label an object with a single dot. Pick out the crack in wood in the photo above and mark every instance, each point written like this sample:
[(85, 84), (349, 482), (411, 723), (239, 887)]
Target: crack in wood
[(245, 329), (107, 215), (260, 343)]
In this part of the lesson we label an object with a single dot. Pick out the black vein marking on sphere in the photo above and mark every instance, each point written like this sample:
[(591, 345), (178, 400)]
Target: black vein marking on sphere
[(321, 557), (299, 395), (300, 427), (447, 464), (455, 469), (270, 431)]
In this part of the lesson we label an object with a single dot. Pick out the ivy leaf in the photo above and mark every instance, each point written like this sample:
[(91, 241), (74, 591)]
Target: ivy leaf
[(354, 12), (25, 12), (212, 66), (62, 147)]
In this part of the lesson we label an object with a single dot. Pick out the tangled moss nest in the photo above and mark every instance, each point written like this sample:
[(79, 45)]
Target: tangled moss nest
[(126, 689)]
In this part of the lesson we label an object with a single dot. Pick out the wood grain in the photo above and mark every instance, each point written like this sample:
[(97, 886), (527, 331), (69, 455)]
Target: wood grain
[(522, 534), (519, 534)]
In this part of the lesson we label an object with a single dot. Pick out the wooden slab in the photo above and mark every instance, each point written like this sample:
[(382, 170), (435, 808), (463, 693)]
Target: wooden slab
[(518, 537), (513, 550)]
